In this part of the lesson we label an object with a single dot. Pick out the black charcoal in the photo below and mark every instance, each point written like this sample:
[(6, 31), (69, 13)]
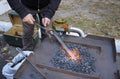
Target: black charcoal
[(86, 65)]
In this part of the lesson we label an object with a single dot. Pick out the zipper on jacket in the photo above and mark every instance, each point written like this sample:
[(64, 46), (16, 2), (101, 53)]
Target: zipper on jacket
[(38, 6)]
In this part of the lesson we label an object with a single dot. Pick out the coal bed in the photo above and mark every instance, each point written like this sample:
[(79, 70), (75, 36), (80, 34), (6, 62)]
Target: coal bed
[(85, 65)]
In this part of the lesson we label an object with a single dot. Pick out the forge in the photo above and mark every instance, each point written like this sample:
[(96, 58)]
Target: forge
[(97, 59)]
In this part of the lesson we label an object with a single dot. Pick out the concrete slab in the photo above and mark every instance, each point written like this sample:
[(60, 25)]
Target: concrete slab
[(4, 7), (117, 43)]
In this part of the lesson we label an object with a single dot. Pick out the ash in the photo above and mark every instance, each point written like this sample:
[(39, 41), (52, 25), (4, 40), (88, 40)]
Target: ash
[(86, 65)]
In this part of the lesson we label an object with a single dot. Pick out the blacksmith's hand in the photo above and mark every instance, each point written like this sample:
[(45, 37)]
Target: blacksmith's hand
[(29, 19), (45, 21)]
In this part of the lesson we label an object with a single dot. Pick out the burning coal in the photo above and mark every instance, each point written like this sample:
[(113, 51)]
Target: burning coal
[(85, 65), (75, 53)]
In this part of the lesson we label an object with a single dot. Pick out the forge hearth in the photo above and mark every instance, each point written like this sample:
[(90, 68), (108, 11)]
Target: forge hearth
[(97, 59), (85, 65)]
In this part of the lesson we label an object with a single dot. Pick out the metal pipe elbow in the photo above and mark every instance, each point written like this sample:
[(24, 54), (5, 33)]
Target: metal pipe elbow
[(78, 31)]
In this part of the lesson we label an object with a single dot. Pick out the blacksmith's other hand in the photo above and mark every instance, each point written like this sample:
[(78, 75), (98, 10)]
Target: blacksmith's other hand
[(45, 21)]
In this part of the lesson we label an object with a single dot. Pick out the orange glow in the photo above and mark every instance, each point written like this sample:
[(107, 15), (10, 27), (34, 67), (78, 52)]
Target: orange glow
[(75, 53)]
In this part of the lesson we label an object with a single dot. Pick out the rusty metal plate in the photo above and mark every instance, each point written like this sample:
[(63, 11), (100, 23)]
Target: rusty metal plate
[(102, 48)]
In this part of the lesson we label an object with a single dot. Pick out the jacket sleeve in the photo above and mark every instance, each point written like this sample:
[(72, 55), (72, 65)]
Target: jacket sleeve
[(49, 11), (18, 7)]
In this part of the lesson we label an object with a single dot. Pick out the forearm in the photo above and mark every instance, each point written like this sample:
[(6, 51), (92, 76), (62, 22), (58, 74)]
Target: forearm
[(51, 8), (18, 7)]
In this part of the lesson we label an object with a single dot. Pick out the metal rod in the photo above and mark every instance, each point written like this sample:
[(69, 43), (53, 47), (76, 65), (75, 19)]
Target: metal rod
[(96, 76), (20, 51), (64, 46), (59, 40)]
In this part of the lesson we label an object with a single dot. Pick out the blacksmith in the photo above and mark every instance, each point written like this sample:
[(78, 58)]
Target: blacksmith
[(27, 10)]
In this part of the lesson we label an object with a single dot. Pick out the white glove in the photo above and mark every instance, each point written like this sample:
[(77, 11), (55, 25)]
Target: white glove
[(20, 56)]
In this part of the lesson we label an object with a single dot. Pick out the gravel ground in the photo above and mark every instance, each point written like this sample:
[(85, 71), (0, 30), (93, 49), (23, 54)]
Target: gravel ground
[(92, 16)]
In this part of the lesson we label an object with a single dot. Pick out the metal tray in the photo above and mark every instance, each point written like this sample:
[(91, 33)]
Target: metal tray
[(102, 48)]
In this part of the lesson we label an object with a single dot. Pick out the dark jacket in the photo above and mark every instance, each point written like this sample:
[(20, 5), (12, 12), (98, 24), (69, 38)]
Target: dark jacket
[(20, 6)]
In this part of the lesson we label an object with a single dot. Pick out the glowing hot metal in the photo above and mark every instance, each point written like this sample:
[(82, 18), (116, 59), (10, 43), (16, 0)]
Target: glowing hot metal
[(68, 51)]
